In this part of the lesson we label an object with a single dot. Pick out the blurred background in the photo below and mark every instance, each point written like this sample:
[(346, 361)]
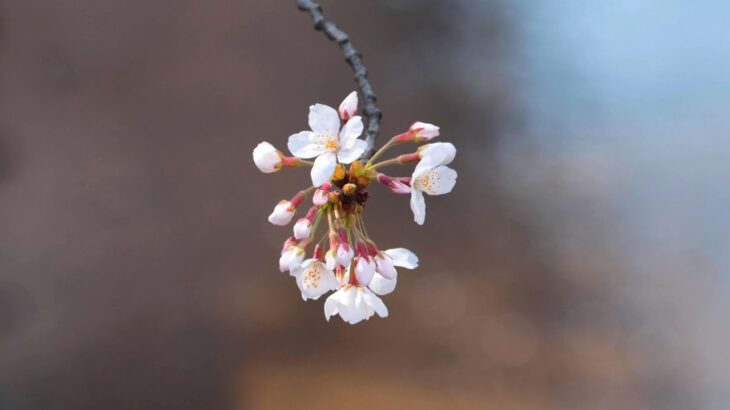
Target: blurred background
[(581, 262)]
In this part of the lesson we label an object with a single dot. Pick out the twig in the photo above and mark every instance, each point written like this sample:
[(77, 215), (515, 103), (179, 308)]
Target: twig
[(369, 110)]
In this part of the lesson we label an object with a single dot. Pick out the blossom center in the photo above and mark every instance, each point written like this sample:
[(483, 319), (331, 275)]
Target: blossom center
[(311, 279), (427, 182), (332, 144), (329, 142)]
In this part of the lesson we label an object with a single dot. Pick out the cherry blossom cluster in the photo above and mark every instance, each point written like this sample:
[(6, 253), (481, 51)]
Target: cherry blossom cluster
[(343, 257)]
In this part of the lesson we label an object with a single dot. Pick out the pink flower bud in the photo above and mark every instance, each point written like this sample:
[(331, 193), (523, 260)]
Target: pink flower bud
[(302, 228), (343, 250), (284, 210), (288, 243), (418, 132), (348, 107), (291, 258), (398, 185), (344, 254), (362, 249), (322, 195), (283, 213), (423, 131), (340, 252), (364, 265), (372, 249), (267, 158)]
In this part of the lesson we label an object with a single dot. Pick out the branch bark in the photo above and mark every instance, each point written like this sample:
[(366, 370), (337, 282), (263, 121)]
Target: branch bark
[(371, 112)]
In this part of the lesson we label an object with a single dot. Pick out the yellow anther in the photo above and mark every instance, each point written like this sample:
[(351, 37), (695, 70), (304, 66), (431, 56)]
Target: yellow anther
[(332, 144)]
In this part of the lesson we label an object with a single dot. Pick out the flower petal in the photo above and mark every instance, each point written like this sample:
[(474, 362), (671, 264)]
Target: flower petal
[(323, 168), (314, 279), (381, 285), (434, 155), (324, 119), (358, 310), (346, 156), (350, 132), (302, 145), (438, 181), (384, 266), (375, 303), (364, 270), (330, 306), (418, 206), (349, 304), (403, 257)]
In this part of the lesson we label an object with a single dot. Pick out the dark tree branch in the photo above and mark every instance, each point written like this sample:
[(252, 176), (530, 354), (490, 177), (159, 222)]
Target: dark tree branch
[(369, 110)]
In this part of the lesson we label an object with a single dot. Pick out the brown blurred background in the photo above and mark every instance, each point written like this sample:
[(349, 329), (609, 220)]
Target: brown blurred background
[(580, 262)]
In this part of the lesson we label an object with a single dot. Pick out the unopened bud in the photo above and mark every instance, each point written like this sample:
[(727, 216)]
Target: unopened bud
[(349, 189), (302, 228), (397, 185), (267, 158), (283, 213), (418, 132), (372, 249), (339, 173), (322, 194), (284, 210), (423, 131), (348, 107)]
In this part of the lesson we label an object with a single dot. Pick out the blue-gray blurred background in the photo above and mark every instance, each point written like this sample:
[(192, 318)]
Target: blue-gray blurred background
[(582, 261)]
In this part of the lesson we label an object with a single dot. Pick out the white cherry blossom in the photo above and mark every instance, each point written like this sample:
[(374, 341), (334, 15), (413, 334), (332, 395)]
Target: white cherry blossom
[(344, 259), (434, 181), (354, 303), (314, 279), (431, 176), (327, 142)]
